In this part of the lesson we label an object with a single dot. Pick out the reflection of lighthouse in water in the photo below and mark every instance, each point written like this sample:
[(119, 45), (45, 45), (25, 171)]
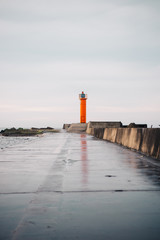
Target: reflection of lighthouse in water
[(84, 159)]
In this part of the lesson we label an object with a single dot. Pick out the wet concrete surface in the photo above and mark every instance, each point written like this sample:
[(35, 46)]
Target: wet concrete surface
[(73, 186)]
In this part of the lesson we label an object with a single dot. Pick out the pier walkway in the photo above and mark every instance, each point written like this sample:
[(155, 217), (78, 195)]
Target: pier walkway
[(73, 186)]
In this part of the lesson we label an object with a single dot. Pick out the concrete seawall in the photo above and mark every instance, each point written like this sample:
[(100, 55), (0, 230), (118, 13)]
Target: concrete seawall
[(143, 140), (99, 125)]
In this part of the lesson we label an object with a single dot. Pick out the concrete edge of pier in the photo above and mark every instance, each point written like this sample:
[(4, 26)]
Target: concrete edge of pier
[(144, 140), (140, 138)]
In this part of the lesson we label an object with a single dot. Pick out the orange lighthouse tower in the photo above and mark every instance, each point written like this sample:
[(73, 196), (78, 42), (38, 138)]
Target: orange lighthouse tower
[(83, 98)]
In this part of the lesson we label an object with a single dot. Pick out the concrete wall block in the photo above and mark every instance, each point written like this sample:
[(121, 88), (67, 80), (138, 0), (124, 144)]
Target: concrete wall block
[(132, 138), (151, 142), (90, 131), (119, 136), (129, 137), (110, 134), (135, 138), (158, 153), (99, 132), (126, 132)]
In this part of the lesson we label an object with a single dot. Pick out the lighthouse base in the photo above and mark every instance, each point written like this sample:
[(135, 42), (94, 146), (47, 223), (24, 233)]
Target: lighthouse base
[(77, 127)]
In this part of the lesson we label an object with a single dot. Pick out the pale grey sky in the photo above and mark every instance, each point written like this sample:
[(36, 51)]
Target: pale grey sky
[(51, 50)]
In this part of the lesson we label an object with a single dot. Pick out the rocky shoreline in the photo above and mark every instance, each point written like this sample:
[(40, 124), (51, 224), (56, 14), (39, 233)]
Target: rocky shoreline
[(23, 132)]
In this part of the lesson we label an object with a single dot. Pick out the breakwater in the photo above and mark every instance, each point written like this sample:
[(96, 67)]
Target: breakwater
[(144, 140), (134, 136)]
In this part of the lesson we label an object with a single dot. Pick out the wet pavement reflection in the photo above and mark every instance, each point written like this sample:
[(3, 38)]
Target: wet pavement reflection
[(84, 159), (73, 186)]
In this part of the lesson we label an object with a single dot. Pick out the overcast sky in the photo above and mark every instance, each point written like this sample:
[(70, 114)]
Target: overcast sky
[(51, 50)]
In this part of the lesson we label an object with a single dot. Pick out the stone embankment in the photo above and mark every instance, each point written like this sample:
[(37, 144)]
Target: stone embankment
[(144, 140)]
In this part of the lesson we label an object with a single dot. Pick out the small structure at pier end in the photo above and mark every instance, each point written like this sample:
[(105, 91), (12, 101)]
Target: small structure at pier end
[(83, 97)]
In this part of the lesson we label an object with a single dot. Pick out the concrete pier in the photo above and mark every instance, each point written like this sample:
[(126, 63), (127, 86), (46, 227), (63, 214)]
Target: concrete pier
[(74, 186)]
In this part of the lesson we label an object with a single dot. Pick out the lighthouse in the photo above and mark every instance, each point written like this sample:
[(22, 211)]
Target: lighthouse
[(83, 98)]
